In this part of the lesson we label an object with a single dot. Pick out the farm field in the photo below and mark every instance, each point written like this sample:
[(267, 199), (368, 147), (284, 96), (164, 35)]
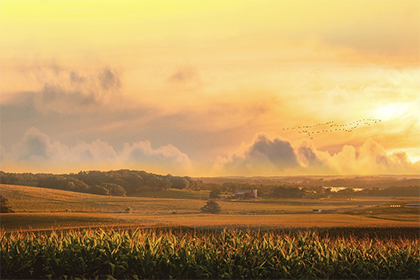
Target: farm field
[(72, 235), (43, 209), (48, 221), (191, 254)]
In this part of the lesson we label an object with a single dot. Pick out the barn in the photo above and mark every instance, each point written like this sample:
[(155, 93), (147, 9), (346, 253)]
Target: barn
[(244, 194)]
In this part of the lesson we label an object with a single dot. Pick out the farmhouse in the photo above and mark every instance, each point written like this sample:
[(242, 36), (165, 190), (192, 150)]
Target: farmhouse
[(244, 194)]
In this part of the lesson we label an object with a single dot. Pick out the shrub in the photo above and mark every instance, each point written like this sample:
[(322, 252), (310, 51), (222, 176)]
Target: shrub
[(211, 207), (4, 207), (215, 193)]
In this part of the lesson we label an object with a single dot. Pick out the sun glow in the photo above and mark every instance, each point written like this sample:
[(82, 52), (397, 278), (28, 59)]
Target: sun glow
[(176, 86), (392, 111)]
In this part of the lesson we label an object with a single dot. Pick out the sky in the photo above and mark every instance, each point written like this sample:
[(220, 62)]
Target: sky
[(210, 88)]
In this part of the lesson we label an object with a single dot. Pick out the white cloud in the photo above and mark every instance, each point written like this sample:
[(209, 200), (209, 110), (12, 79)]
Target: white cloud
[(96, 150), (59, 100), (142, 155), (263, 157), (37, 146), (372, 158), (39, 153), (279, 157), (71, 92), (313, 161)]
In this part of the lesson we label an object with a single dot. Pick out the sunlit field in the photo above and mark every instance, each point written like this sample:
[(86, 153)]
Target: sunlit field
[(62, 234), (37, 208), (179, 139), (187, 254)]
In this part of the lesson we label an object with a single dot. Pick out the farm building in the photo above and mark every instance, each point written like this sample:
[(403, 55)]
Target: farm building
[(324, 211), (413, 204), (244, 194), (328, 211)]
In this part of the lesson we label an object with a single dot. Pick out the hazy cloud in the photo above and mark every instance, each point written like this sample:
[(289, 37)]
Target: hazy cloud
[(71, 92), (399, 37), (56, 99), (76, 78), (96, 150), (37, 146), (2, 152), (369, 158), (109, 79), (373, 157), (37, 150), (186, 77), (264, 156), (312, 160), (277, 157), (141, 154), (277, 151)]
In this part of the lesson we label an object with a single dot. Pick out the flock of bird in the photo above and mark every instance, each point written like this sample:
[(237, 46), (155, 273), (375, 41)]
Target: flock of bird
[(331, 126)]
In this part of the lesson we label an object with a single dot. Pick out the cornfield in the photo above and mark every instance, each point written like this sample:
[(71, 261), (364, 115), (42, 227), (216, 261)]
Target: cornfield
[(189, 254)]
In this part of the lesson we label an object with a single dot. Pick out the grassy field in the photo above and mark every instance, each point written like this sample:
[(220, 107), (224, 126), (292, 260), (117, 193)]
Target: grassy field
[(38, 208)]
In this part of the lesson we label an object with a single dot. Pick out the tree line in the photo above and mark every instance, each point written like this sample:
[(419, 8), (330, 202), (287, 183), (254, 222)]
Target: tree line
[(314, 192), (116, 183), (126, 182)]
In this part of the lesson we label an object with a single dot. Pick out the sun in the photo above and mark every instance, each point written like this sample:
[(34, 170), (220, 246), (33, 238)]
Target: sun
[(392, 111)]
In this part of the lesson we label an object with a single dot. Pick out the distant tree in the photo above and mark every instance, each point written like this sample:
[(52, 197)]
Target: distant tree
[(346, 192), (4, 207), (288, 192), (63, 183), (230, 187), (327, 191), (195, 185), (97, 189), (178, 182), (413, 191), (9, 178), (157, 183), (215, 193), (115, 189), (211, 207)]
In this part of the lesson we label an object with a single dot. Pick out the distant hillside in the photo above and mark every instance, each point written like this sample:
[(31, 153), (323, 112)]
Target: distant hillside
[(115, 183), (34, 199)]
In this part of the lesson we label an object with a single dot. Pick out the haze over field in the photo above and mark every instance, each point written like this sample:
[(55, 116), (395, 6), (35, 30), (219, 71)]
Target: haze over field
[(210, 88)]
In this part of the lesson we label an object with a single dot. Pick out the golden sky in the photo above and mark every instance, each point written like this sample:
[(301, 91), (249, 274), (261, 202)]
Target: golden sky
[(210, 88)]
